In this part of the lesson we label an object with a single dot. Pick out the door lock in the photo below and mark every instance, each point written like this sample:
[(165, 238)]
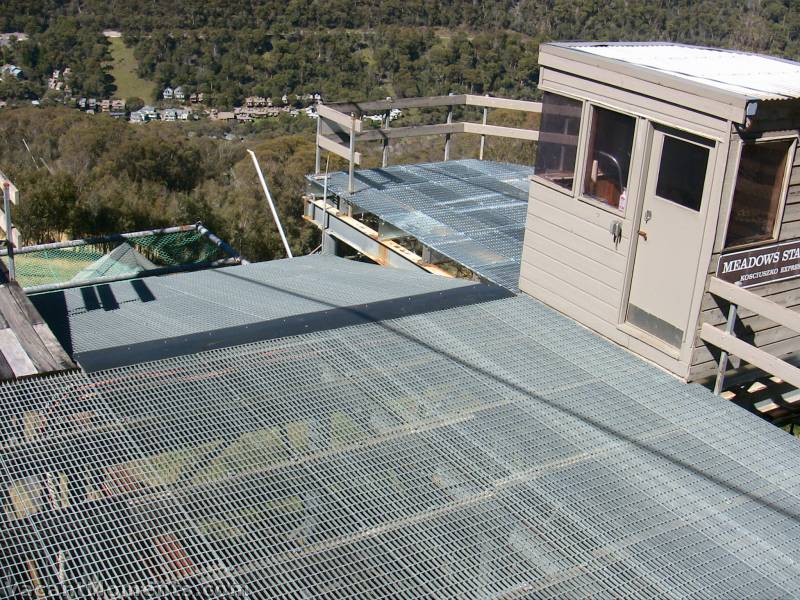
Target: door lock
[(616, 232), (648, 214)]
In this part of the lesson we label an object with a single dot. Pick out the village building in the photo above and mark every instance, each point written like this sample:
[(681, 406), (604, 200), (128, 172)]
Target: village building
[(12, 70)]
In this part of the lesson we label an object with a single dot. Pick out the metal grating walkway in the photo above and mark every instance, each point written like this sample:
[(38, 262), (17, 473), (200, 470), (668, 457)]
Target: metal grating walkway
[(130, 321), (469, 210), (490, 451)]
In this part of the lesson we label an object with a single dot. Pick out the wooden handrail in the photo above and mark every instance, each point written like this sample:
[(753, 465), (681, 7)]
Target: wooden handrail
[(755, 303), (338, 117), (749, 353), (730, 344), (338, 149), (344, 119)]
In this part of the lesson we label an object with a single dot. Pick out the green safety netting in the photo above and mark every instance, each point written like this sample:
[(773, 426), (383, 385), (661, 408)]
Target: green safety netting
[(114, 256)]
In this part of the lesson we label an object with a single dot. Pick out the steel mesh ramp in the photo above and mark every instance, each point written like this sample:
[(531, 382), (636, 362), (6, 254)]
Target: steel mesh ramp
[(471, 211)]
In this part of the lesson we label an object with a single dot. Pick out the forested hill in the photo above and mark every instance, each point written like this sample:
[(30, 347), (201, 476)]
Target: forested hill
[(88, 174), (758, 24), (373, 48)]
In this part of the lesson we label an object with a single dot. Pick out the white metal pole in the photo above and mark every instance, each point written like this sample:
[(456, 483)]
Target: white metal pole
[(9, 230), (350, 184), (317, 149), (271, 204), (483, 137), (325, 217)]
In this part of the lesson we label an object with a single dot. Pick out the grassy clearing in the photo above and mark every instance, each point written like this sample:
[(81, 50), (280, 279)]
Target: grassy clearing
[(124, 71)]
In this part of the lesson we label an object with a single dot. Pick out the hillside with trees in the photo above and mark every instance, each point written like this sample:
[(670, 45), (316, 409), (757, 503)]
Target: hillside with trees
[(89, 174)]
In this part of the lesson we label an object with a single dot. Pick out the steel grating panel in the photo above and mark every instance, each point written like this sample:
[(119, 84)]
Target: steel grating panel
[(102, 317), (471, 211), (487, 451)]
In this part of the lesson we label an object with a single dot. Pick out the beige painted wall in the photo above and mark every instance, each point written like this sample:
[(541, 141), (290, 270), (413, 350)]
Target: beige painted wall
[(570, 260)]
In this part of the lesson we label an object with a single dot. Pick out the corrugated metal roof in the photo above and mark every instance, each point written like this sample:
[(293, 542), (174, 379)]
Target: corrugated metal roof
[(471, 211), (751, 75), (488, 451)]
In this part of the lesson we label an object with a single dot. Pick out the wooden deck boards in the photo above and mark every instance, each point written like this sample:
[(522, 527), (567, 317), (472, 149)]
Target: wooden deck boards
[(27, 345)]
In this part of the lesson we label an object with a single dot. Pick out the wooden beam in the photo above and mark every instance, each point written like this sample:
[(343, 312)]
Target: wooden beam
[(497, 131), (449, 128), (360, 108), (763, 360), (412, 131), (338, 149), (758, 304), (363, 238), (338, 117), (489, 102)]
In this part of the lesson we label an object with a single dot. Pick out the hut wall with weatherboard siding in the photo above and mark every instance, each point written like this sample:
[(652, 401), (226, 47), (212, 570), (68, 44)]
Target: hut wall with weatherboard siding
[(762, 333), (569, 259)]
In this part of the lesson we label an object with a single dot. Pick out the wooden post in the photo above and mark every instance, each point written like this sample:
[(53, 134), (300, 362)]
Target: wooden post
[(9, 229), (723, 357), (350, 183), (483, 137), (447, 136), (316, 145), (386, 122)]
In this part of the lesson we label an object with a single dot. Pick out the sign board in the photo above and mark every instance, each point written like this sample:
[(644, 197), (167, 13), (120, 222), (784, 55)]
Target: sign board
[(758, 266)]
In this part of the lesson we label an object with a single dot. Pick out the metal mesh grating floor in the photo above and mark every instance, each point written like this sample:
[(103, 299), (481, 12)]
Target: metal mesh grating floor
[(102, 317), (488, 451), (469, 210)]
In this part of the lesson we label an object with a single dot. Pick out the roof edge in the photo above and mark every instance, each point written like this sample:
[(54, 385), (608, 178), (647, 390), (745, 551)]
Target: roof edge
[(735, 102)]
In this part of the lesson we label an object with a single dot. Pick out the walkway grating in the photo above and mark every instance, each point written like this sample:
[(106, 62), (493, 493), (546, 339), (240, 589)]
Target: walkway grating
[(471, 211), (486, 451)]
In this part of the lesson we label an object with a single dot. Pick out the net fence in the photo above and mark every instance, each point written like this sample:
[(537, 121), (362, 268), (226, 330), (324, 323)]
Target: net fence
[(114, 256)]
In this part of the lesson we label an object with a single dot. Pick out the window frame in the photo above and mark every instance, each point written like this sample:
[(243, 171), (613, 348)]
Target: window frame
[(581, 195), (689, 138), (787, 172), (550, 184)]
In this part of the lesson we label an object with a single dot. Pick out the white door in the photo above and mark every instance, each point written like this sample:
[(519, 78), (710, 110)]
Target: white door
[(670, 235)]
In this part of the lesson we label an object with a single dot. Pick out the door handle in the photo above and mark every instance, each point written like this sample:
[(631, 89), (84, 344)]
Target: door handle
[(643, 234)]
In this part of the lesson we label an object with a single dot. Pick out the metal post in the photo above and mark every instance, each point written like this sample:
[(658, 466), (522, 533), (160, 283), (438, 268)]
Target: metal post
[(220, 243), (9, 230), (723, 357), (325, 217), (386, 123), (350, 183), (271, 204), (483, 137), (447, 136), (317, 148)]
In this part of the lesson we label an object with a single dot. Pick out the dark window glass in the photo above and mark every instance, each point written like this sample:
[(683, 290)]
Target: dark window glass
[(558, 139), (757, 194), (609, 159), (682, 172)]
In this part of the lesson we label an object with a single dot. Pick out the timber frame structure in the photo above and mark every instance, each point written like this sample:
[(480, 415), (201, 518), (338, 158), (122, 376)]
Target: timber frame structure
[(341, 125), (346, 216)]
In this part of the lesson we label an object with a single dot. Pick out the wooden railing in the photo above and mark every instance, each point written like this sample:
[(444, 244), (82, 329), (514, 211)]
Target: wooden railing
[(341, 125), (729, 344)]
